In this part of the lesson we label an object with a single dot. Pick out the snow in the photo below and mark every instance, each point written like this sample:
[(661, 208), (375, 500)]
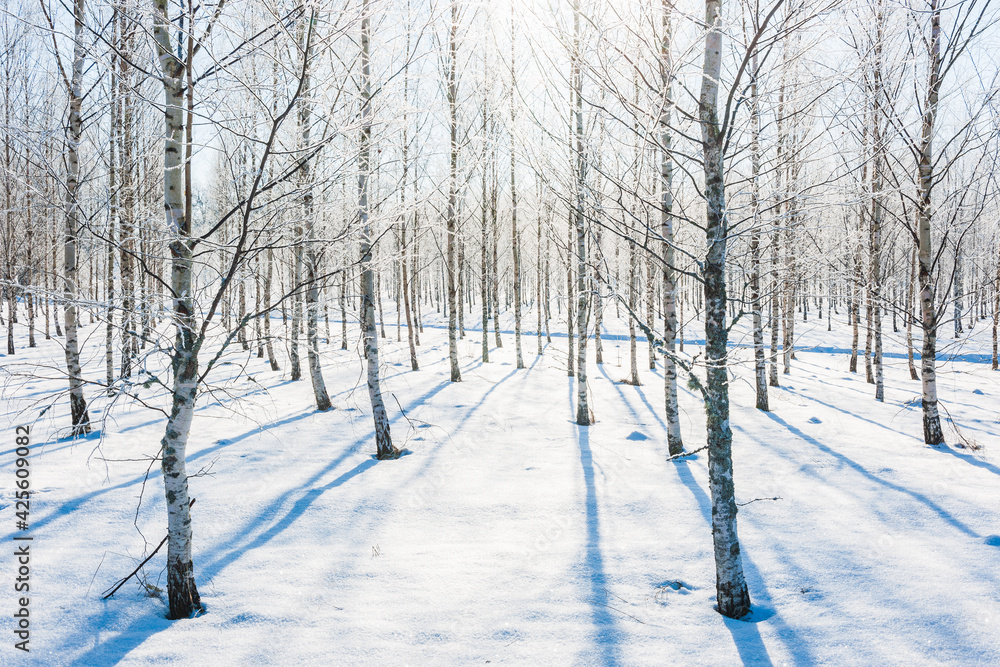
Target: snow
[(510, 535)]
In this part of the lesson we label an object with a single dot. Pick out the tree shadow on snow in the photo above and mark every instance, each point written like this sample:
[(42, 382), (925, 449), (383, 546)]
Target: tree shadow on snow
[(746, 635), (113, 650), (807, 395), (281, 523), (749, 643), (857, 467), (73, 504), (607, 635), (969, 458), (308, 493)]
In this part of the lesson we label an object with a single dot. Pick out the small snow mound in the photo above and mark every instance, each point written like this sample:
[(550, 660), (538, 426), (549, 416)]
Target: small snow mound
[(993, 540), (637, 436), (668, 587), (815, 420)]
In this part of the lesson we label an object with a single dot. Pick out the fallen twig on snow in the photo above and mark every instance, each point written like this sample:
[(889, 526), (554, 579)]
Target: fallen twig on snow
[(756, 499), (121, 582), (683, 454)]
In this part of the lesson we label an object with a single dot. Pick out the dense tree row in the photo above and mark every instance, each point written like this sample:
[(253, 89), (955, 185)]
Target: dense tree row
[(217, 181)]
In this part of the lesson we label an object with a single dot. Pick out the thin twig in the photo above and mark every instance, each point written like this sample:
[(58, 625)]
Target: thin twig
[(136, 570), (756, 499), (683, 454), (621, 612)]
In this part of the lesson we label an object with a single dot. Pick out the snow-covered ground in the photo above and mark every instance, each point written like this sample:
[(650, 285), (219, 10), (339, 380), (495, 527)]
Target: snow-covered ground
[(510, 535)]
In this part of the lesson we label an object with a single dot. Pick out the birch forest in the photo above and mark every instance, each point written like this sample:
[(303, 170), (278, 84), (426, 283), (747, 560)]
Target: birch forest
[(591, 332)]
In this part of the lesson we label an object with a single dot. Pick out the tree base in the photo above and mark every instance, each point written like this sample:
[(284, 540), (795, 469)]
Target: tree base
[(389, 453), (182, 592), (734, 606)]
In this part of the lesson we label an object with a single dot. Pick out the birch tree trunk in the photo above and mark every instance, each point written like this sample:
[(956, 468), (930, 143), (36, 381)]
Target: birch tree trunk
[(182, 592), (113, 195), (958, 289), (910, 316), (495, 266), (996, 316), (788, 314), (675, 443), (571, 341), (772, 366), (731, 589), (650, 314), (515, 239), (597, 303), (484, 259), (296, 324), (404, 249), (854, 308), (877, 204), (584, 415), (343, 310), (928, 313), (384, 448), (633, 348), (538, 280), (312, 258), (452, 216), (547, 293), (760, 365), (269, 344), (77, 402)]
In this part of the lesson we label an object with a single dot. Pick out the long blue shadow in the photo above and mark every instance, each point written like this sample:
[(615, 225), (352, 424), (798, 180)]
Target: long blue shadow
[(746, 636), (851, 463), (431, 457), (73, 504), (846, 412), (283, 523), (745, 633), (112, 650), (968, 458), (606, 633), (749, 643), (310, 494), (628, 405)]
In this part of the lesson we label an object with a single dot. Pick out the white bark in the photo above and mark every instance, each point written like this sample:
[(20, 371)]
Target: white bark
[(78, 404), (584, 415), (383, 440), (182, 591), (731, 589), (928, 313), (452, 215), (675, 443), (308, 215)]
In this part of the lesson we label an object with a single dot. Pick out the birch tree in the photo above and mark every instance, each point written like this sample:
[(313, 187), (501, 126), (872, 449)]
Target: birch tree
[(731, 589), (584, 413), (675, 443), (383, 441), (451, 93), (73, 83)]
